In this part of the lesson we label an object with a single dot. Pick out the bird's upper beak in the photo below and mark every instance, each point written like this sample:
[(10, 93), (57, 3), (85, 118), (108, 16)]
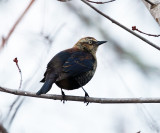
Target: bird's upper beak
[(101, 42)]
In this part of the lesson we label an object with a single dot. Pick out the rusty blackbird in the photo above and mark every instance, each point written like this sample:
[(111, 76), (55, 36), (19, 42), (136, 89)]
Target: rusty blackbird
[(72, 68)]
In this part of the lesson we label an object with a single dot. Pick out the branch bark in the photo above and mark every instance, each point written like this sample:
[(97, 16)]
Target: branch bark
[(81, 99), (154, 8), (122, 26)]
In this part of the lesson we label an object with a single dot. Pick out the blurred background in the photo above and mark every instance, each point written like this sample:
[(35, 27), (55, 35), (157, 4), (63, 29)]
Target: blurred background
[(127, 67)]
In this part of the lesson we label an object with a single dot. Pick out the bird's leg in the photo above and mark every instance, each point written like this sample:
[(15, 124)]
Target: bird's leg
[(63, 95), (86, 95)]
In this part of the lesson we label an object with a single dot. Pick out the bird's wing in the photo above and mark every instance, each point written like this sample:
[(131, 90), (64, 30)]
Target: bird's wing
[(55, 65), (78, 63)]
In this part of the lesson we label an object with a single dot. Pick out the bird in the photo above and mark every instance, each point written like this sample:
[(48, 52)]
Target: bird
[(72, 68)]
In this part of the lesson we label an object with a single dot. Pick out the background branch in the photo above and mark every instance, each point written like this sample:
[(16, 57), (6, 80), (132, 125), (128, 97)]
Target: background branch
[(154, 9), (5, 39), (2, 129), (80, 98), (150, 2), (122, 26)]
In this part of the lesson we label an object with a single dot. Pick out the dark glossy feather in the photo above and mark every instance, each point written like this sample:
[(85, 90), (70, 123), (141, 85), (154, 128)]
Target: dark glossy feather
[(46, 87)]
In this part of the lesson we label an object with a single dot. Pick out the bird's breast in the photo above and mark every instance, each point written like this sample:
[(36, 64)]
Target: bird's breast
[(76, 82), (83, 79)]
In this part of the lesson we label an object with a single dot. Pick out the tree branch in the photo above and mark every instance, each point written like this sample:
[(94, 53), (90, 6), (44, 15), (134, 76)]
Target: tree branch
[(122, 26), (80, 98)]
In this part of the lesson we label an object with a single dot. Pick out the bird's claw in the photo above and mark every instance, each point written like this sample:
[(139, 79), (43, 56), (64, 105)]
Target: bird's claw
[(63, 97), (85, 98)]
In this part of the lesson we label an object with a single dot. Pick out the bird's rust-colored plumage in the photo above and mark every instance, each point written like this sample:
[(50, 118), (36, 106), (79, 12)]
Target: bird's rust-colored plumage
[(72, 68)]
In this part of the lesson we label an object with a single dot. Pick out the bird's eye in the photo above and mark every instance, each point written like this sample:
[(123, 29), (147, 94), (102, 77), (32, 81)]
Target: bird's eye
[(90, 42)]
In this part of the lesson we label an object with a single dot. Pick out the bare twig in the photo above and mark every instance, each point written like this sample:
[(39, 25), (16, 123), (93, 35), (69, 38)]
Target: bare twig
[(97, 2), (5, 39), (11, 107), (16, 61), (122, 26), (14, 114), (135, 28), (80, 98)]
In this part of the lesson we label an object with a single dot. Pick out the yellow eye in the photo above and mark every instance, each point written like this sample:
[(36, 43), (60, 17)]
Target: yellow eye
[(90, 42)]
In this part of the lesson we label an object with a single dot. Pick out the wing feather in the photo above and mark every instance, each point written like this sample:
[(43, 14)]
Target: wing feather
[(78, 63)]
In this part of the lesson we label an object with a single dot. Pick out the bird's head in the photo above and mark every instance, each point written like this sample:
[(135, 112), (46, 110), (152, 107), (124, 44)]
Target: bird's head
[(89, 44)]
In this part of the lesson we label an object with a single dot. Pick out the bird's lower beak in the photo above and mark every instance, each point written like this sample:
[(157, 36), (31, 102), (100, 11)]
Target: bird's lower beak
[(101, 42)]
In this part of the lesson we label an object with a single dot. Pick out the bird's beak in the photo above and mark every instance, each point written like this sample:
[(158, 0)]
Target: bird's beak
[(101, 42)]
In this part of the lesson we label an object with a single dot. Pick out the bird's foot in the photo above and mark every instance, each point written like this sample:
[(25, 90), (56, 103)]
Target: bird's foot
[(85, 98), (63, 96)]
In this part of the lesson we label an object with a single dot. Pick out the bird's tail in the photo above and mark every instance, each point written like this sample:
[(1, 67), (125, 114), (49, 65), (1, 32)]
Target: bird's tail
[(46, 87)]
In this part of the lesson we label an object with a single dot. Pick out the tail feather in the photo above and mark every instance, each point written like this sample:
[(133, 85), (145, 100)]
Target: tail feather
[(46, 87), (43, 80)]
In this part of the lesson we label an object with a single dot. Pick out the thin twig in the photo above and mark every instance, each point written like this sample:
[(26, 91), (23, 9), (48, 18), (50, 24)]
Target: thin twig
[(122, 26), (5, 39), (80, 98), (135, 28), (97, 2), (14, 114), (11, 107), (20, 72)]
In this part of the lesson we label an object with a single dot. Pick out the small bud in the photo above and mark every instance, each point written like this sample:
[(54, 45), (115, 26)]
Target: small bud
[(15, 60), (134, 28)]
